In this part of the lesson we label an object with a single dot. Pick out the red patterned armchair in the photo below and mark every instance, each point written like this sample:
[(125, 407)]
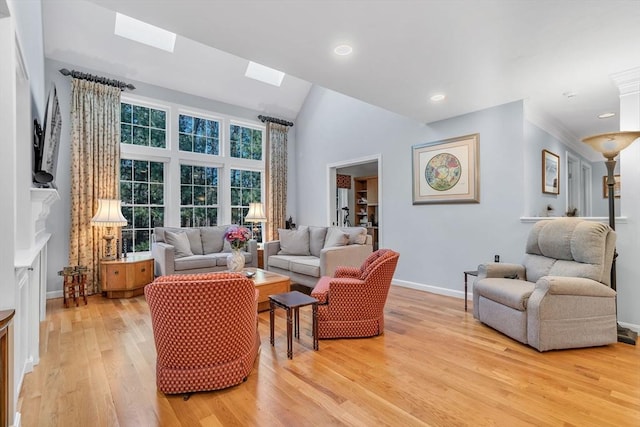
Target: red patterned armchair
[(205, 328), (352, 302)]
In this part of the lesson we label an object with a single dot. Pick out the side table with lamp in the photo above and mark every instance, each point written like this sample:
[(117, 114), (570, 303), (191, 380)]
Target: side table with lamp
[(120, 277)]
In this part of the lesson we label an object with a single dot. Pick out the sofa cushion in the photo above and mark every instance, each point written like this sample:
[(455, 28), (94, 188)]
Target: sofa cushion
[(192, 233), (316, 239), (194, 262), (280, 261), (212, 238), (294, 242), (307, 265), (509, 292), (357, 235), (335, 237), (180, 243)]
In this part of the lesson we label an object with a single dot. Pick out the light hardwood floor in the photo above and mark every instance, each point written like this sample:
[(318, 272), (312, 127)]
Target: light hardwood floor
[(434, 365)]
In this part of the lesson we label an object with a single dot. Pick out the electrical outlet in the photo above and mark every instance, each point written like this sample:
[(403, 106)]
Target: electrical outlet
[(496, 258)]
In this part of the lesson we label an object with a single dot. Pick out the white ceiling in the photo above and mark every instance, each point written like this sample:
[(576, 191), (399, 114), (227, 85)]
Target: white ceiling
[(480, 53)]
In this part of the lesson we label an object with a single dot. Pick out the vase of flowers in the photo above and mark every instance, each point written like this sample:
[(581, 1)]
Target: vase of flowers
[(237, 238)]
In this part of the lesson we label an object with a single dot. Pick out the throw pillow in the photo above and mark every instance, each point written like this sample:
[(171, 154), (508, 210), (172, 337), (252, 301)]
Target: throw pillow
[(316, 239), (336, 237), (294, 242), (357, 235), (180, 242)]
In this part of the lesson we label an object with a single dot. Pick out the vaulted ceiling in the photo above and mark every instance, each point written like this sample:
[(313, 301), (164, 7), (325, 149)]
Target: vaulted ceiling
[(558, 55)]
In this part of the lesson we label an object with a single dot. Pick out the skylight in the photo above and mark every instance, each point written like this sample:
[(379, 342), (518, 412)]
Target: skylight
[(144, 33), (264, 74)]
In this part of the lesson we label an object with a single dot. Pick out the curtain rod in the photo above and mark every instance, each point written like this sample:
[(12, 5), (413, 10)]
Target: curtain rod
[(98, 79), (274, 120)]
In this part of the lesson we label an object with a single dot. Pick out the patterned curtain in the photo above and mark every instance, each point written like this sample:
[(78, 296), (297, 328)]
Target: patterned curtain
[(95, 169), (277, 182)]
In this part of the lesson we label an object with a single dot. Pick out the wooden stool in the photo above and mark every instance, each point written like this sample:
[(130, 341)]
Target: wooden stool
[(74, 284)]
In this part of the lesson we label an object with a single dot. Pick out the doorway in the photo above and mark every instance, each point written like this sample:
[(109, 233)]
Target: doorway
[(341, 201)]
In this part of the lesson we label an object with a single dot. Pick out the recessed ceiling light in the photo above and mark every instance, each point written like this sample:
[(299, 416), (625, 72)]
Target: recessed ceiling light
[(438, 97), (264, 74), (606, 115), (142, 32), (343, 50)]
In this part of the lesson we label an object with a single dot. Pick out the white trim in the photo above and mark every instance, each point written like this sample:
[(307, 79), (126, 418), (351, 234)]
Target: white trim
[(534, 219), (559, 131), (430, 288), (628, 82)]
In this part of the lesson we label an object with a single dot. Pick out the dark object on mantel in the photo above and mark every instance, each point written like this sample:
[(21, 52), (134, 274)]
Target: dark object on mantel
[(39, 176)]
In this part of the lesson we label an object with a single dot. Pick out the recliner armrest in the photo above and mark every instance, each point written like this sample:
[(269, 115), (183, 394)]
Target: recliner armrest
[(558, 285), (501, 270)]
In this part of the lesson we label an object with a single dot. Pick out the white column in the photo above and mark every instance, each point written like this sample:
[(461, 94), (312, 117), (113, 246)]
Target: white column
[(628, 267)]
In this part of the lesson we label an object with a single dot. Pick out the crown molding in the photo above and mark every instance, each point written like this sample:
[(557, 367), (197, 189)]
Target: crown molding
[(558, 131), (628, 82)]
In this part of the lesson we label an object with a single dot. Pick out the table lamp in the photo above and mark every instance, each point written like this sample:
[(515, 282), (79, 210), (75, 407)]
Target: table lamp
[(109, 215), (610, 145), (255, 215)]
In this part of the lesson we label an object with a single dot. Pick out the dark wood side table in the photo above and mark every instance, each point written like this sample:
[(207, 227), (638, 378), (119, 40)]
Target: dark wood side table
[(291, 302), (468, 273)]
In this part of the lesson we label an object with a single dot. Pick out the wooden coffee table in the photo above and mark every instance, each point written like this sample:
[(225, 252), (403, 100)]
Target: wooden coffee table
[(268, 283)]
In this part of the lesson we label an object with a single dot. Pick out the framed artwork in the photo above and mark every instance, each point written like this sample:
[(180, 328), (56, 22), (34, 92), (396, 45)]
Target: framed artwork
[(550, 173), (447, 171), (616, 187)]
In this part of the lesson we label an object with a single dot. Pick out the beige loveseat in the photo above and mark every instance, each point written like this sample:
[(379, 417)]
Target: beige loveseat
[(309, 252), (560, 296), (195, 250)]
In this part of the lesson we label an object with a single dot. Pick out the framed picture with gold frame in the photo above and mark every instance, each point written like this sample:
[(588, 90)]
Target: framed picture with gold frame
[(550, 173), (616, 187), (447, 171)]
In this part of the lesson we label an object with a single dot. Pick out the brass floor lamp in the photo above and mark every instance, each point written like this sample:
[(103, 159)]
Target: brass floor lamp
[(610, 145)]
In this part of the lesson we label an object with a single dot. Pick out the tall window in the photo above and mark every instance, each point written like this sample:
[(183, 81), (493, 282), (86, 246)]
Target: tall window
[(245, 188), (141, 125), (142, 195), (199, 135), (173, 157), (245, 143), (198, 196)]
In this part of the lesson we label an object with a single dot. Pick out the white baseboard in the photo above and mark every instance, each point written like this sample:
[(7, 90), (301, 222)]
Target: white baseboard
[(631, 326), (430, 288), (54, 294)]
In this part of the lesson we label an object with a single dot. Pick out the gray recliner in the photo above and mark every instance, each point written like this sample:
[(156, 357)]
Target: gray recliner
[(560, 297)]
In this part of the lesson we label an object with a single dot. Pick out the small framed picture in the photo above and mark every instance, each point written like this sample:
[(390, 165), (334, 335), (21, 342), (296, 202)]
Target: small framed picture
[(616, 187), (550, 173)]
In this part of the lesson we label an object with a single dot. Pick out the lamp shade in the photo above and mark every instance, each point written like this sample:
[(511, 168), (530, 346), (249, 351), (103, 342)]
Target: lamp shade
[(256, 213), (109, 214), (610, 144)]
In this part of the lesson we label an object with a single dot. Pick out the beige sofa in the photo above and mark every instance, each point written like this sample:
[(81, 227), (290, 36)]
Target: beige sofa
[(195, 250), (309, 252), (560, 296)]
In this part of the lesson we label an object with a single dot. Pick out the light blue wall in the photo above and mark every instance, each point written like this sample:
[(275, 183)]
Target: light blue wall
[(536, 140), (436, 242)]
